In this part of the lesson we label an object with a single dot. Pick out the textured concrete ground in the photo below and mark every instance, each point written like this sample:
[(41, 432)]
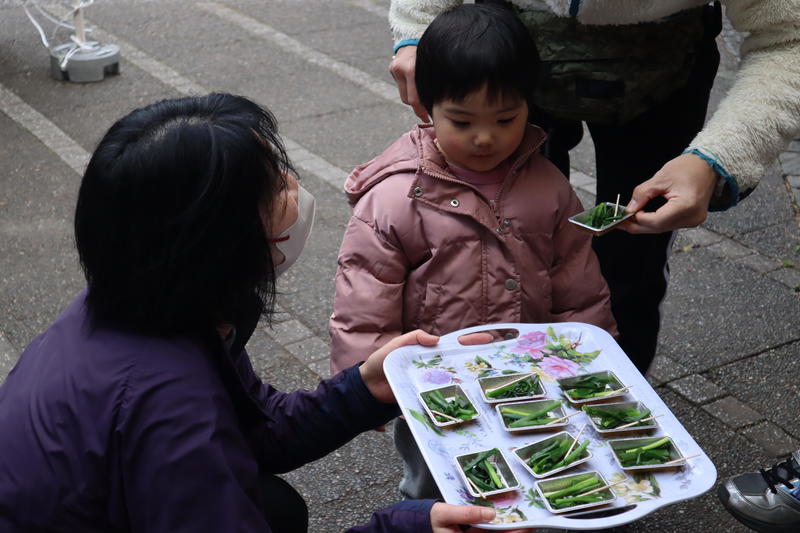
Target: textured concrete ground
[(728, 355)]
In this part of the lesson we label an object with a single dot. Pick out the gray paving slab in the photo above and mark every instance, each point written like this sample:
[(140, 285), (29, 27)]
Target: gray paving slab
[(665, 369), (779, 241), (8, 358), (276, 366), (87, 110), (696, 237), (696, 388), (759, 263), (349, 138), (290, 87), (774, 440), (789, 276), (731, 454), (768, 204), (790, 162), (369, 40), (717, 311), (307, 288), (767, 383), (39, 267), (732, 412), (314, 17)]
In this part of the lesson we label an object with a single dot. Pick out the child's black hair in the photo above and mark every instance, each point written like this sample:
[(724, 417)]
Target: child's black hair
[(473, 45)]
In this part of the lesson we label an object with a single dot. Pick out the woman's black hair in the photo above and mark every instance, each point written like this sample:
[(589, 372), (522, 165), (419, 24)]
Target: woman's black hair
[(167, 223), (471, 46)]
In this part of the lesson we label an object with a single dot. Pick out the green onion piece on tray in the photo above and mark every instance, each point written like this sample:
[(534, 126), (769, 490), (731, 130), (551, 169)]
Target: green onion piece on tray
[(455, 408), (555, 455), (575, 487), (589, 387), (602, 215), (612, 418), (655, 453), (517, 418), (523, 387), (484, 472)]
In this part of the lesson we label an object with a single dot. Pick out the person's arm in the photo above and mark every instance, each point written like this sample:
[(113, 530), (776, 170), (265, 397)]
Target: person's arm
[(756, 120), (408, 20), (580, 294), (425, 516), (368, 304)]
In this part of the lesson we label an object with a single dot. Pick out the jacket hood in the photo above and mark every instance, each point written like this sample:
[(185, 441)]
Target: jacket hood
[(416, 150)]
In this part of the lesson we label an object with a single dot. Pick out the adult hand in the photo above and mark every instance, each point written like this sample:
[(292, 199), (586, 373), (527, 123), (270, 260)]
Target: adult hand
[(402, 68), (446, 518), (372, 369), (687, 182)]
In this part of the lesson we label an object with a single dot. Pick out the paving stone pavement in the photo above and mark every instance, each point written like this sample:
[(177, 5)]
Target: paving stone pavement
[(730, 340)]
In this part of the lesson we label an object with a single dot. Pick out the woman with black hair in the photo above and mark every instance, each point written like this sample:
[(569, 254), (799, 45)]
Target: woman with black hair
[(138, 409)]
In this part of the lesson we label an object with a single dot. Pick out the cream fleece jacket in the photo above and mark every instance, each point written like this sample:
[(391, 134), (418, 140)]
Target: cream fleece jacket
[(760, 114)]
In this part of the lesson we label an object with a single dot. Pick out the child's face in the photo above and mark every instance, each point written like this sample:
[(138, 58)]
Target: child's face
[(477, 135)]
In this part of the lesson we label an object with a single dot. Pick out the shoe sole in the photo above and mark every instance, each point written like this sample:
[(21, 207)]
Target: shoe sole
[(757, 525)]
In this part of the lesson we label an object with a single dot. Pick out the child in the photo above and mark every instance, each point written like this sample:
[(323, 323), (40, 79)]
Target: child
[(462, 222)]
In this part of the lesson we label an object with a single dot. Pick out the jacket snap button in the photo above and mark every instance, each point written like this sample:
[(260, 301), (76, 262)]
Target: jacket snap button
[(511, 284), (499, 230), (454, 202), (507, 222), (417, 191)]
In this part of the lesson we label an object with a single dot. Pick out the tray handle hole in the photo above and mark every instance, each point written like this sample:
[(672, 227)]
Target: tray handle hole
[(602, 513), (497, 335)]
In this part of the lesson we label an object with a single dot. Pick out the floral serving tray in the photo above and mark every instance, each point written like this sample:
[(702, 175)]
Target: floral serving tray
[(551, 351)]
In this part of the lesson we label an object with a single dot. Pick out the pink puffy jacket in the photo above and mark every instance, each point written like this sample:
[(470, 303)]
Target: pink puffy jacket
[(426, 250)]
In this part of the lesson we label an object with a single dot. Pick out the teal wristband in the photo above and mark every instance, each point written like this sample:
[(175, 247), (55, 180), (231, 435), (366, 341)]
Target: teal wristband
[(733, 187), (405, 42)]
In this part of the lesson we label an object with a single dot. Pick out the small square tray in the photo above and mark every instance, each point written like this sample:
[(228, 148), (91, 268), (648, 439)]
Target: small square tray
[(448, 391), (647, 426), (581, 220), (616, 385), (525, 452), (628, 443), (502, 465), (558, 483), (492, 382), (530, 406)]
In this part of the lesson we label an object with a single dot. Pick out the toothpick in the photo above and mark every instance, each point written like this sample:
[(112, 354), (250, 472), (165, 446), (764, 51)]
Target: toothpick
[(521, 378), (446, 416), (598, 489), (559, 420), (679, 459), (631, 424), (616, 206), (574, 442), (474, 486)]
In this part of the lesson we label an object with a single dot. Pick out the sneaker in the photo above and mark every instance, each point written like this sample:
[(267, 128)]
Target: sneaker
[(763, 500)]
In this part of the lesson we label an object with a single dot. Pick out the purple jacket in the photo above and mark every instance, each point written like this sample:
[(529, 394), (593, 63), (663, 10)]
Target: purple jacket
[(109, 431)]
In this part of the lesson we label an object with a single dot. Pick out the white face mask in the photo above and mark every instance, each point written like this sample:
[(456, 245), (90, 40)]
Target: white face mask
[(293, 239)]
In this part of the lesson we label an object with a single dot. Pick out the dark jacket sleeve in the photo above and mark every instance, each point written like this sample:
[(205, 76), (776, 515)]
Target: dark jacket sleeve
[(412, 516), (302, 426)]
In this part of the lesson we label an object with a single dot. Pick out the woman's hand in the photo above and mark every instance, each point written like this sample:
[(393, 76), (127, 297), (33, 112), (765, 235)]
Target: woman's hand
[(446, 518), (402, 69), (687, 182), (372, 369)]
